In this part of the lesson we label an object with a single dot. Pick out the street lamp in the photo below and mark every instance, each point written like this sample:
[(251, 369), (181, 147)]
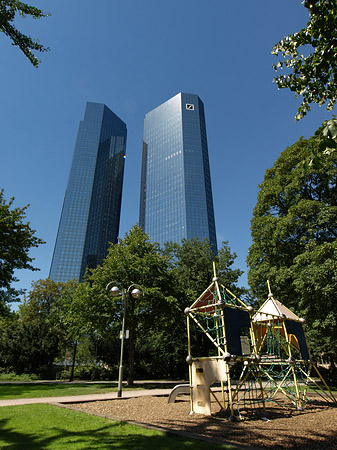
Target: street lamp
[(115, 289)]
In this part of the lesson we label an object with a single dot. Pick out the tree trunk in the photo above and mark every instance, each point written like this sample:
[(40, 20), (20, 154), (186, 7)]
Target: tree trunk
[(73, 363)]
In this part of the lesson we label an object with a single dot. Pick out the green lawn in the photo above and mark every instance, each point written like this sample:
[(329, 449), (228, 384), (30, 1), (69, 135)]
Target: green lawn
[(8, 391), (28, 390), (42, 427)]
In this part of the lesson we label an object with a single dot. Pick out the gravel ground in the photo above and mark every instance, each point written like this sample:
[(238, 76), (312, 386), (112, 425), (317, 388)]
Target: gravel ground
[(315, 428)]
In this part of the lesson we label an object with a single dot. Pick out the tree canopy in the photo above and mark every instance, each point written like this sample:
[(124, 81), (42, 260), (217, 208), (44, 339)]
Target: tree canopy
[(311, 57), (9, 9), (192, 261), (294, 235), (16, 240)]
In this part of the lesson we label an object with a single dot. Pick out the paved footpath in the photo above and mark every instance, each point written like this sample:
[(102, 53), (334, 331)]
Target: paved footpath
[(86, 398)]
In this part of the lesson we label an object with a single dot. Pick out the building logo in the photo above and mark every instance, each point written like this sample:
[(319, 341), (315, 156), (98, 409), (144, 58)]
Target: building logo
[(190, 106)]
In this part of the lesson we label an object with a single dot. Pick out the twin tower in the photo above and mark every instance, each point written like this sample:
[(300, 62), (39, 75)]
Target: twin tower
[(175, 195)]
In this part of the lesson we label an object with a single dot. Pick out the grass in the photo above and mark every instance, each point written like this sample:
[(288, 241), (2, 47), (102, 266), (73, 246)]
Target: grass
[(47, 427), (29, 390), (333, 389)]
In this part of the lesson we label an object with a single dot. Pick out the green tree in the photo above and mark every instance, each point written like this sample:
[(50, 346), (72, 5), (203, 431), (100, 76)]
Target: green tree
[(16, 240), (325, 143), (42, 303), (9, 9), (57, 317), (76, 315), (28, 348), (311, 56), (31, 342), (193, 266), (294, 245), (133, 260)]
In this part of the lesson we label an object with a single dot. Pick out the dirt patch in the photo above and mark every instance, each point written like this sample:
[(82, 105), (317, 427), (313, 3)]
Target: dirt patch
[(315, 428)]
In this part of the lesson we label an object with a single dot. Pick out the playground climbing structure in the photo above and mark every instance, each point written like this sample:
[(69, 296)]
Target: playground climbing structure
[(258, 356)]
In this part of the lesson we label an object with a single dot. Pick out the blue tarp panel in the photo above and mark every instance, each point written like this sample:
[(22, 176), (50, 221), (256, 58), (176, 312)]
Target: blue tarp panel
[(297, 329), (235, 319)]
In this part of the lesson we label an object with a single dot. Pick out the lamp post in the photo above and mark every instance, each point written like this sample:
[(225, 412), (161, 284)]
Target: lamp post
[(115, 289)]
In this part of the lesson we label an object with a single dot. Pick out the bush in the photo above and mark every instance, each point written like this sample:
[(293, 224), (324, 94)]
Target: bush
[(91, 372), (9, 375)]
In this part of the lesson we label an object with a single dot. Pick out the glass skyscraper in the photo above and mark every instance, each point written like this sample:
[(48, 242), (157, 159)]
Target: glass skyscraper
[(91, 208), (176, 199)]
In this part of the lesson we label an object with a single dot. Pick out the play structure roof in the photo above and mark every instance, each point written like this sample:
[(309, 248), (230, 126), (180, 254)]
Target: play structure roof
[(272, 307), (206, 299)]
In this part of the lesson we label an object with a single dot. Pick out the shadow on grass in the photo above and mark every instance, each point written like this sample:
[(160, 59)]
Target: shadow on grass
[(113, 435)]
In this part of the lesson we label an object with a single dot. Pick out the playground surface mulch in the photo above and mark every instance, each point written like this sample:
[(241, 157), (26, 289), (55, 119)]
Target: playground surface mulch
[(313, 428)]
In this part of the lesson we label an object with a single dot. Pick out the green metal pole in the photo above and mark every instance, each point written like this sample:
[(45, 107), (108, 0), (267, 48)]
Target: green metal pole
[(120, 371)]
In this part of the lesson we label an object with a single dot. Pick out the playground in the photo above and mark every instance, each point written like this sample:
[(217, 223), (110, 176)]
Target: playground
[(259, 387)]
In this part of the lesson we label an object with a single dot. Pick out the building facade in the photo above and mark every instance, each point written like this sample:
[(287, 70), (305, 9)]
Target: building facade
[(91, 208), (176, 199)]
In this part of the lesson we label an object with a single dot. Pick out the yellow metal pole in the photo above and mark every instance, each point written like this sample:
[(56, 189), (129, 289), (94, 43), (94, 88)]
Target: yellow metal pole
[(217, 295), (224, 343), (323, 381), (214, 269), (268, 284), (190, 365), (227, 368), (299, 403)]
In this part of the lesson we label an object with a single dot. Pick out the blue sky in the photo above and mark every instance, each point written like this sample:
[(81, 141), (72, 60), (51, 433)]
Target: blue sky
[(133, 55)]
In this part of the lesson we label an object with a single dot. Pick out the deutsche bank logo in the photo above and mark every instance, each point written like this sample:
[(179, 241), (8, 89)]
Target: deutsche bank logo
[(190, 106)]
